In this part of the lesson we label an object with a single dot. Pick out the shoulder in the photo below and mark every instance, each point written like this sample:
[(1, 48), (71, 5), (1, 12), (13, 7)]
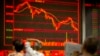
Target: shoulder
[(20, 54), (41, 54), (15, 54), (11, 54)]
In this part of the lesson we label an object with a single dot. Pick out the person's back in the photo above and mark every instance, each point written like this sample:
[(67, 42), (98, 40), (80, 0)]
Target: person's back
[(18, 47), (90, 46)]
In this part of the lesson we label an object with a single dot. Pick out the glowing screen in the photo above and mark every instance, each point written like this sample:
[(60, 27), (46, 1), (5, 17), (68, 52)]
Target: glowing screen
[(51, 21)]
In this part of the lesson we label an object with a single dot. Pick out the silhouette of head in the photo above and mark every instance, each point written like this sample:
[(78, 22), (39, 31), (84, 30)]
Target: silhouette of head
[(90, 45), (37, 45), (18, 45)]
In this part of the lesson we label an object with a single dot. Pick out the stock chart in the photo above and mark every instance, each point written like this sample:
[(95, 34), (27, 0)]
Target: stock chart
[(52, 21)]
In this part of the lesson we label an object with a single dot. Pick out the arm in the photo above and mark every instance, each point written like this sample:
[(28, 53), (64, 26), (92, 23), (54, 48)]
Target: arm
[(28, 49), (32, 39)]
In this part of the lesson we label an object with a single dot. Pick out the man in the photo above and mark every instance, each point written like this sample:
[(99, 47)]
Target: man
[(18, 47), (90, 46), (35, 50)]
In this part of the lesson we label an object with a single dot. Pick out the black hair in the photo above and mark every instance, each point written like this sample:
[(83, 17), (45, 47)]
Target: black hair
[(90, 45), (37, 45), (18, 45)]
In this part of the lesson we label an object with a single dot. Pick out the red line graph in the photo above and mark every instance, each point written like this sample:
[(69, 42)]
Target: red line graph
[(48, 16)]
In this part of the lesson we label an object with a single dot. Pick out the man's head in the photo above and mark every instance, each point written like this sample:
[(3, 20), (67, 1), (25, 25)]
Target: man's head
[(37, 45), (90, 45), (18, 45)]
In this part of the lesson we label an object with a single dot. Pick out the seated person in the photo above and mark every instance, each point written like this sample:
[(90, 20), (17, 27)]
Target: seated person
[(18, 47)]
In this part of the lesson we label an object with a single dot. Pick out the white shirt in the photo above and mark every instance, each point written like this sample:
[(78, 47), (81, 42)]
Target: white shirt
[(30, 51)]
